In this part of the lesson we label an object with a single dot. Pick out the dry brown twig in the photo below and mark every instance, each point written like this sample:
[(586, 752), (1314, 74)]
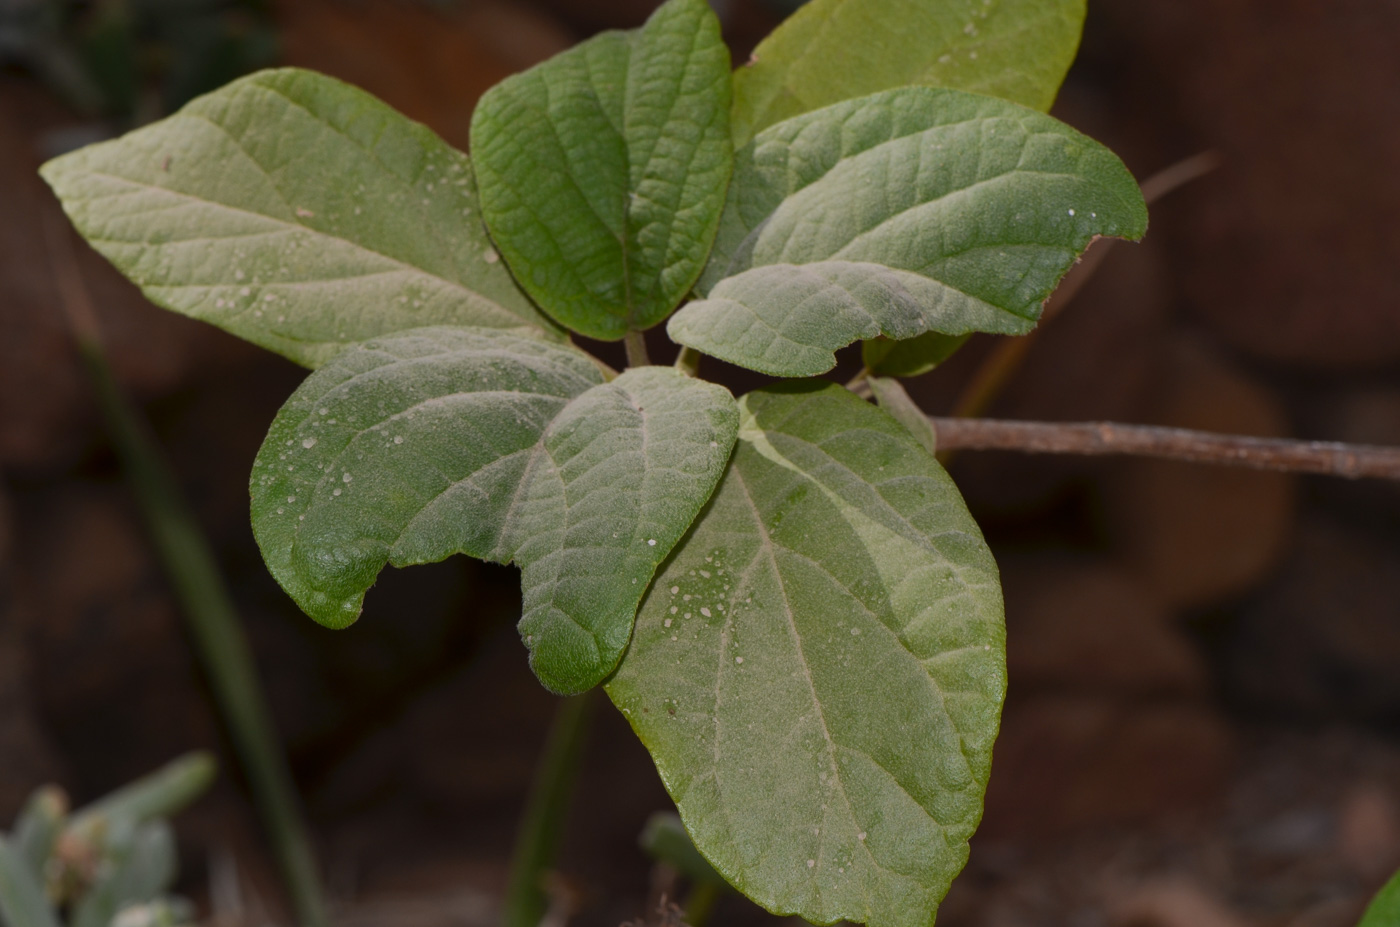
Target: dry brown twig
[(1352, 461)]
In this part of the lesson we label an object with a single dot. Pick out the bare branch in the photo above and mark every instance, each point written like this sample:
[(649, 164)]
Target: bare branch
[(1352, 461)]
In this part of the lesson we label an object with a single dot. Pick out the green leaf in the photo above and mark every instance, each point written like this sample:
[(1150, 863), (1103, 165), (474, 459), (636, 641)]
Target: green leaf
[(439, 441), (1384, 910), (910, 357), (603, 170), (818, 672), (22, 899), (909, 211), (297, 212), (156, 795), (38, 826), (138, 864), (834, 50), (893, 399)]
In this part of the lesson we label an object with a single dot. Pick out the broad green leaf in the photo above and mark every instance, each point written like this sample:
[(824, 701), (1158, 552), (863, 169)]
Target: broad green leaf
[(38, 826), (297, 212), (819, 670), (893, 399), (603, 170), (22, 899), (834, 50), (909, 211), (1384, 910), (439, 441), (911, 357)]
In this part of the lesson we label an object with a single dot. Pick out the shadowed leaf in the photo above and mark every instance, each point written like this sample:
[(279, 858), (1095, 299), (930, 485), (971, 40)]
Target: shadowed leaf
[(441, 441), (603, 170)]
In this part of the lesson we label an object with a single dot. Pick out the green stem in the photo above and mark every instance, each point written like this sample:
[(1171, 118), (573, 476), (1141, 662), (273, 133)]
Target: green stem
[(217, 636), (700, 903), (636, 344), (542, 825), (688, 361)]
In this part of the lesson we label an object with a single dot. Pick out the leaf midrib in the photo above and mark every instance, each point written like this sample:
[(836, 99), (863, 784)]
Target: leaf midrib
[(769, 548)]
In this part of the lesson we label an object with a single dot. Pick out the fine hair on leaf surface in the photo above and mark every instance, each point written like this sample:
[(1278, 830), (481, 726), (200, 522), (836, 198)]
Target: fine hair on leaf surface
[(783, 592)]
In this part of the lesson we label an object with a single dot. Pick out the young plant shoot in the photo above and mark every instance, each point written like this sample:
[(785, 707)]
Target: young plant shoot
[(783, 592)]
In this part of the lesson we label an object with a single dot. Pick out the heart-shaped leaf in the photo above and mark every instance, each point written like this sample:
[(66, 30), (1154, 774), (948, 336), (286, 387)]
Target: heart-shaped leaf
[(834, 50), (909, 211), (297, 212), (819, 670), (439, 441), (603, 170)]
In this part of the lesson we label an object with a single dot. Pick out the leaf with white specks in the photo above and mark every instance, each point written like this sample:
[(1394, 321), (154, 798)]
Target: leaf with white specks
[(909, 211), (419, 445), (297, 212), (818, 671)]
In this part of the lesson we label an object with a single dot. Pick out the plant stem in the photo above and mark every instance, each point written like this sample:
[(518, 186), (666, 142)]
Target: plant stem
[(1351, 461), (636, 344), (542, 825), (700, 903), (860, 383), (688, 361), (210, 618)]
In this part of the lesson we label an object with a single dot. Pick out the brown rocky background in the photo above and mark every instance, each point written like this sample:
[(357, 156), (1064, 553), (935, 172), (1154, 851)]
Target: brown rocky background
[(1204, 721)]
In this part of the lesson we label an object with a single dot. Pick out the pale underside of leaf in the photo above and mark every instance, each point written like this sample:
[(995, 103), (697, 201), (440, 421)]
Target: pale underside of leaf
[(603, 170), (297, 212), (909, 211), (834, 50), (787, 320), (441, 441), (818, 671)]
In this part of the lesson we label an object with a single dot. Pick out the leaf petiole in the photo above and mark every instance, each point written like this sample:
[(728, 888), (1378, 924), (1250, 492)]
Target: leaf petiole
[(636, 344)]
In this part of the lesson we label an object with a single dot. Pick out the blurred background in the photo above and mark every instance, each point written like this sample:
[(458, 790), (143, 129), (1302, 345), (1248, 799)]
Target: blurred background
[(1204, 720)]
